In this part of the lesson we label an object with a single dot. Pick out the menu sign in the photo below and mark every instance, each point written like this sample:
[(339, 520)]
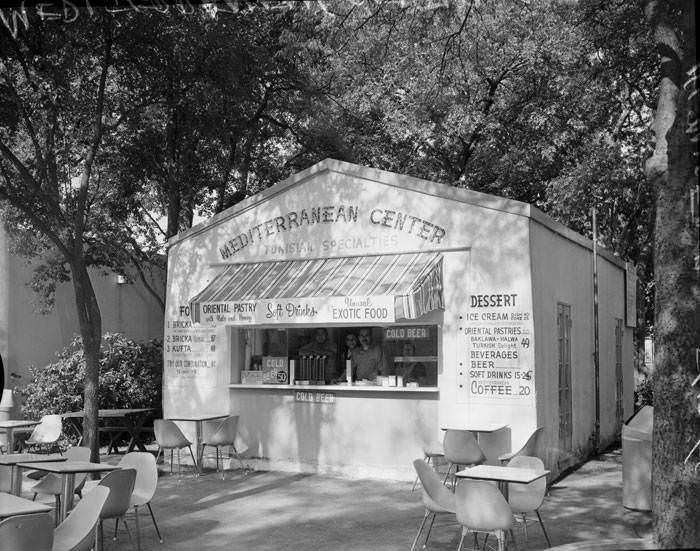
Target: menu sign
[(190, 349), (496, 359), (376, 309)]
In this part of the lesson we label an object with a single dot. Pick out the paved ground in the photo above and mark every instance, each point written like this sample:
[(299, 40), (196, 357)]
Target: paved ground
[(273, 510)]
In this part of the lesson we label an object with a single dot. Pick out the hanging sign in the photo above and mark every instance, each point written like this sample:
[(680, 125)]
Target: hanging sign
[(374, 309)]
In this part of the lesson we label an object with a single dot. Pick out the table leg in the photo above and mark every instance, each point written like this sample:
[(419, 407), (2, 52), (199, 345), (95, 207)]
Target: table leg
[(197, 445), (10, 440), (134, 427), (67, 486), (16, 480)]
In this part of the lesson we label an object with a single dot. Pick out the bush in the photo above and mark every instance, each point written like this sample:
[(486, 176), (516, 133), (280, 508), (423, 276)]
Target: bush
[(130, 376)]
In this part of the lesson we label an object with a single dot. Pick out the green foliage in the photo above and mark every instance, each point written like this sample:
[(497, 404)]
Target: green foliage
[(130, 376), (644, 393)]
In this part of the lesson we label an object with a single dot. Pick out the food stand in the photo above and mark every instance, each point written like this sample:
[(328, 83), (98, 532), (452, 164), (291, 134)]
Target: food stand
[(454, 292)]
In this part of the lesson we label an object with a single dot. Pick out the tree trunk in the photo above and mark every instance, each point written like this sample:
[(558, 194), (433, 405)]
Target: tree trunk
[(675, 489), (90, 322)]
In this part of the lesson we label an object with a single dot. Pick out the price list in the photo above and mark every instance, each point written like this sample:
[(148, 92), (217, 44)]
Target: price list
[(496, 350), (190, 349)]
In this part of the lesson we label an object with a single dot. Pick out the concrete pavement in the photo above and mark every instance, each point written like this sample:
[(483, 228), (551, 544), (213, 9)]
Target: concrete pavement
[(273, 510)]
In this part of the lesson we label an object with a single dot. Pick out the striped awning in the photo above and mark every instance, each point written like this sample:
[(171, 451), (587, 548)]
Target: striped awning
[(354, 289)]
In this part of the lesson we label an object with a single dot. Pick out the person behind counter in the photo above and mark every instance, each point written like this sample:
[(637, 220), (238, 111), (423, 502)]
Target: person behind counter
[(319, 346), (350, 345), (412, 372), (368, 359)]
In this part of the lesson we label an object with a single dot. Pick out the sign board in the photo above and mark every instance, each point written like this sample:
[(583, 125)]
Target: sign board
[(375, 309), (190, 350), (275, 370), (314, 397), (495, 361), (407, 333)]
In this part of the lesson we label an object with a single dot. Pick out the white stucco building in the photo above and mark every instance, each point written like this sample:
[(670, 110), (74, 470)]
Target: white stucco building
[(495, 299)]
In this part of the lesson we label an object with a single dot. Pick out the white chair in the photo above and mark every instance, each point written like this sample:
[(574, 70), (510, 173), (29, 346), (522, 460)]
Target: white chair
[(481, 507), (27, 532), (528, 498), (144, 487), (121, 485), (528, 448), (77, 532), (224, 435), (431, 454), (51, 483), (46, 433), (436, 497), (169, 437), (461, 449)]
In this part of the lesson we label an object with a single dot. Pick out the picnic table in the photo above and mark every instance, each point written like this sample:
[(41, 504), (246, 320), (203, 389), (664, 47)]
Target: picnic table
[(114, 422)]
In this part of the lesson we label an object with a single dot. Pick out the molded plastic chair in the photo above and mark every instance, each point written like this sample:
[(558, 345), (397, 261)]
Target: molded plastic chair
[(481, 507), (121, 485), (436, 497), (27, 532), (529, 447), (528, 498), (224, 435), (144, 487), (169, 437), (46, 434), (77, 532), (461, 448), (431, 454), (51, 483)]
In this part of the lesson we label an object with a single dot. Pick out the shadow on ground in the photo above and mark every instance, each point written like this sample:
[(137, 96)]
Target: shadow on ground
[(272, 510)]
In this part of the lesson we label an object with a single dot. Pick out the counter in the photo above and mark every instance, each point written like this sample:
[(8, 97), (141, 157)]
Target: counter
[(354, 431)]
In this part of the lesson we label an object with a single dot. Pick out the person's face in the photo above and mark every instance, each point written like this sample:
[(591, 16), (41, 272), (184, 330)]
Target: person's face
[(320, 336), (350, 341), (365, 338)]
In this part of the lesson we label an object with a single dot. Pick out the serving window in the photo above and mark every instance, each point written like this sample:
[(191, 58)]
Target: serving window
[(400, 355)]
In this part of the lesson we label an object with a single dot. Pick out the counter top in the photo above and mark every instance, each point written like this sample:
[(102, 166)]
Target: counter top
[(337, 388)]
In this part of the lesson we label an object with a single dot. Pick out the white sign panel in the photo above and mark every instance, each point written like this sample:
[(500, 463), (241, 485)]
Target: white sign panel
[(376, 309), (190, 350), (496, 360)]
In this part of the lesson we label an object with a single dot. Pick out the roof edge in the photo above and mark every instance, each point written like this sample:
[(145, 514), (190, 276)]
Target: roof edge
[(402, 181)]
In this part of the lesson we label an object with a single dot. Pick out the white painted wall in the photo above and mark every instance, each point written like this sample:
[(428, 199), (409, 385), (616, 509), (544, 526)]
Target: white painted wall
[(562, 271), (490, 246)]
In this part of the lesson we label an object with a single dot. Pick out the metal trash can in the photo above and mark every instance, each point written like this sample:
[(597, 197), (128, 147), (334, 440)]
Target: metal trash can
[(636, 460)]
